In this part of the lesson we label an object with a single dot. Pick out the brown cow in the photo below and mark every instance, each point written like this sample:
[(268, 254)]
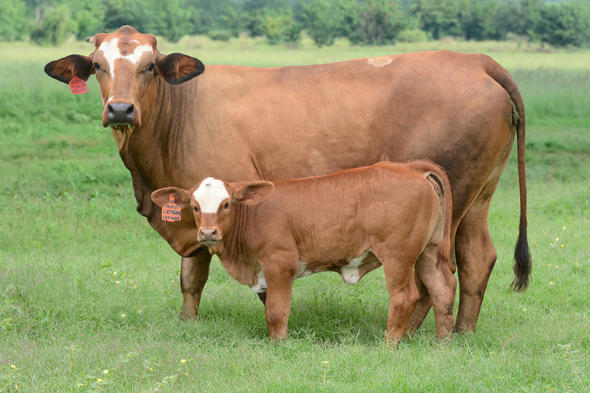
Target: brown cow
[(349, 222), (461, 111)]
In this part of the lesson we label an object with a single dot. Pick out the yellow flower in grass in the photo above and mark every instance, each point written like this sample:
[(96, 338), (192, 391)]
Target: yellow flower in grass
[(183, 361), (105, 372), (551, 282)]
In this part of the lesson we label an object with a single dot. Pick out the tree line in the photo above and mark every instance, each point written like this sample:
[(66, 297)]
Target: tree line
[(362, 22)]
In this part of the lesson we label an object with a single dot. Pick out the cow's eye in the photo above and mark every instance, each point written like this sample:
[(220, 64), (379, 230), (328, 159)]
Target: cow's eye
[(150, 67), (196, 209), (226, 206), (96, 66)]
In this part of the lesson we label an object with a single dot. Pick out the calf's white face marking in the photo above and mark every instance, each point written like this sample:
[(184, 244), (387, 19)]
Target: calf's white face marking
[(111, 52), (210, 193)]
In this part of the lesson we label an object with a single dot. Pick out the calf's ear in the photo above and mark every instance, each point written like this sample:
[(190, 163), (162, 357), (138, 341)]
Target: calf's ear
[(252, 193), (161, 197), (177, 67), (70, 66)]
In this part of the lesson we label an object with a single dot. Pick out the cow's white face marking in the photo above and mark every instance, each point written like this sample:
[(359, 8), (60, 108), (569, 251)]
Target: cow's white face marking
[(111, 52), (260, 285), (380, 61), (210, 194), (350, 273)]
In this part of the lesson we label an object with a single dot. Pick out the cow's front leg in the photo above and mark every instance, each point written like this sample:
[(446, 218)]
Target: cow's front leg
[(194, 272), (279, 281)]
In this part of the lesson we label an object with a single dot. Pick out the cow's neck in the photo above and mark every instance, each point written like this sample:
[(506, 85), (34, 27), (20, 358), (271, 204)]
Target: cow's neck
[(236, 254), (151, 151)]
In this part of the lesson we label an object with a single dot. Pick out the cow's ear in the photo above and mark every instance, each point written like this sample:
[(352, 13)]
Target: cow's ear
[(161, 197), (70, 66), (252, 193), (177, 68)]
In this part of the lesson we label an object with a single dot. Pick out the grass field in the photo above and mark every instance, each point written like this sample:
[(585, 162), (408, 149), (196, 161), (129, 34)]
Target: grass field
[(89, 293)]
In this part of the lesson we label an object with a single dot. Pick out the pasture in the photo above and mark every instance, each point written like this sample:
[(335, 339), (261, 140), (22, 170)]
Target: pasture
[(89, 293)]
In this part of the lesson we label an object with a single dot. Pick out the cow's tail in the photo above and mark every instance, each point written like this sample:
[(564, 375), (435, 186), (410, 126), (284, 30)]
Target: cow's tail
[(522, 254)]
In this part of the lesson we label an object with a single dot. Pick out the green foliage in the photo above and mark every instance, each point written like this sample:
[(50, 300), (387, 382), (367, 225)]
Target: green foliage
[(325, 20), (279, 26), (565, 24), (439, 18), (412, 35), (380, 23), (219, 35), (14, 24), (57, 26), (477, 20)]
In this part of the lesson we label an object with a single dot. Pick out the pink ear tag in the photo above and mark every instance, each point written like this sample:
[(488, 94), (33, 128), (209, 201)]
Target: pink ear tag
[(78, 86), (171, 211)]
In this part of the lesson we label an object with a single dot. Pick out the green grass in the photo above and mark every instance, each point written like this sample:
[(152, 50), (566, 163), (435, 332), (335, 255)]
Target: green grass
[(69, 223)]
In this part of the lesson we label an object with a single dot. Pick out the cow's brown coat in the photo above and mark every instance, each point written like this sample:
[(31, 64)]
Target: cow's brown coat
[(270, 123), (395, 214)]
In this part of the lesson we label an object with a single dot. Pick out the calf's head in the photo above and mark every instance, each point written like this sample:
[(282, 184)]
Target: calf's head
[(126, 63), (214, 205)]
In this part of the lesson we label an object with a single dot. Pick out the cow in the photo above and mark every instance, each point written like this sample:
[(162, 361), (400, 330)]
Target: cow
[(166, 112), (268, 234)]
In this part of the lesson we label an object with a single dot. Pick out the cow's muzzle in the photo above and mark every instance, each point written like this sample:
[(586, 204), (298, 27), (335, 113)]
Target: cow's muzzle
[(120, 113)]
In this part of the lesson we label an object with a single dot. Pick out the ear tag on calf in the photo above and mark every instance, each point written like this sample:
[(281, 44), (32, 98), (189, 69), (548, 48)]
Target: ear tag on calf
[(171, 211), (78, 86)]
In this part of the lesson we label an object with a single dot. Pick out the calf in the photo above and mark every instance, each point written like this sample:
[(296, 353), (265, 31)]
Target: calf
[(350, 222)]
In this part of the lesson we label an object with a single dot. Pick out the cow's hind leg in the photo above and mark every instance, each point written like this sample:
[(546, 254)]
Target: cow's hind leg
[(476, 257), (441, 285), (194, 272)]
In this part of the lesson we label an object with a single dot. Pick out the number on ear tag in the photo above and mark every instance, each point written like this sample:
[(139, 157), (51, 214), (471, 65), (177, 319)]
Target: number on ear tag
[(171, 211)]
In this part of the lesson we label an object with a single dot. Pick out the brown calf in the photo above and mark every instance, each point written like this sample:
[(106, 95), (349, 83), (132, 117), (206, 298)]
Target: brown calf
[(395, 215)]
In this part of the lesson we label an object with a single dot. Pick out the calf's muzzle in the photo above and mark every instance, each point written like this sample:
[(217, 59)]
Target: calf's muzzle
[(208, 235)]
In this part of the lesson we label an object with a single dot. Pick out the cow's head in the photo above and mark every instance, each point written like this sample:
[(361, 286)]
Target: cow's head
[(126, 64), (214, 204)]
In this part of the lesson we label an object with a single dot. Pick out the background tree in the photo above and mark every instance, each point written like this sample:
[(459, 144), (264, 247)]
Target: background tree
[(14, 22)]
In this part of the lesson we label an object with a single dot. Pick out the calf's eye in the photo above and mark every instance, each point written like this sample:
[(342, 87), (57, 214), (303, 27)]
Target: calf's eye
[(150, 67), (96, 66), (226, 206), (196, 209)]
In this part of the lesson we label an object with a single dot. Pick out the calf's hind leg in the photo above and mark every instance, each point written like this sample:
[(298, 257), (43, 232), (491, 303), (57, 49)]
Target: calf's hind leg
[(441, 285), (403, 293), (422, 307)]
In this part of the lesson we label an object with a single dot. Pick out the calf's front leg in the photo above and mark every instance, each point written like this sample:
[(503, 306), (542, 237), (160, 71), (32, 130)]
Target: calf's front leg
[(194, 272), (279, 281)]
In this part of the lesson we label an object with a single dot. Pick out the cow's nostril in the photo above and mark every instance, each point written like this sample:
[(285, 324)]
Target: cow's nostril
[(130, 110)]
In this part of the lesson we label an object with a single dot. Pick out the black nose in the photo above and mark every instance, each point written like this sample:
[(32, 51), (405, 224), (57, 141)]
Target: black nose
[(120, 112), (208, 234)]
